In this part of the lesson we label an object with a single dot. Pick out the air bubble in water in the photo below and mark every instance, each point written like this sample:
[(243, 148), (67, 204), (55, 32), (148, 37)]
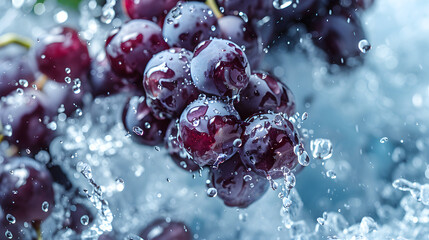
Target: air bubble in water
[(20, 91), (67, 79), (321, 148), (68, 71), (212, 192), (7, 130), (84, 220), (281, 4), (45, 206), (120, 184), (384, 139), (331, 174), (368, 225), (10, 218), (364, 46)]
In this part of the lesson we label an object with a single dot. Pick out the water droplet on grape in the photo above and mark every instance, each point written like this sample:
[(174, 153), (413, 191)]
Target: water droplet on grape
[(45, 206), (282, 4), (84, 220), (10, 218)]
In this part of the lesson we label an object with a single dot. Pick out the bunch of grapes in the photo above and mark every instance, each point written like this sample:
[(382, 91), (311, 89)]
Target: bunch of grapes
[(191, 71)]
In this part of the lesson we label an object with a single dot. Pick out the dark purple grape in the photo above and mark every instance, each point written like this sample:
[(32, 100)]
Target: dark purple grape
[(8, 228), (268, 142), (168, 84), (132, 46), (13, 70), (23, 117), (63, 97), (78, 213), (188, 24), (61, 53), (139, 121), (338, 35), (147, 9), (298, 11), (265, 93), (351, 4), (255, 9), (220, 67), (27, 189), (104, 81), (235, 29), (178, 154), (207, 130), (160, 229), (236, 185)]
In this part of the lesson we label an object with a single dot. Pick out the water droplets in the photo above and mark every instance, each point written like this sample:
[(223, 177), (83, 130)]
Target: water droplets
[(68, 70), (331, 174), (120, 184), (23, 82), (384, 139), (137, 130), (85, 169), (303, 157), (237, 143), (8, 234), (247, 178), (212, 192), (10, 218), (45, 206), (84, 220), (281, 4), (108, 13), (364, 46), (321, 148)]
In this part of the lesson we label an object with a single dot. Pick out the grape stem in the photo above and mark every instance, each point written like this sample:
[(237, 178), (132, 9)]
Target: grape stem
[(213, 5), (40, 82), (9, 38), (37, 227)]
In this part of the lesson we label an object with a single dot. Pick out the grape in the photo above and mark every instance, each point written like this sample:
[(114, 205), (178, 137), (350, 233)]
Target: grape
[(256, 9), (207, 130), (26, 186), (78, 213), (265, 93), (178, 155), (66, 97), (188, 24), (13, 68), (160, 229), (139, 121), (61, 53), (104, 81), (220, 67), (268, 142), (23, 118), (236, 185), (235, 29), (298, 11), (168, 84), (14, 228), (338, 35), (132, 46), (147, 9)]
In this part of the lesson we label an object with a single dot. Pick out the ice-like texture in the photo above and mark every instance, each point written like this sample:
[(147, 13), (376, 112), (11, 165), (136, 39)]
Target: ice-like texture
[(375, 116)]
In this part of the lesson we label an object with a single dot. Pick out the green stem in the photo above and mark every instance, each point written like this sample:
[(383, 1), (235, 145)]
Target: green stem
[(37, 227), (212, 4), (9, 38)]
